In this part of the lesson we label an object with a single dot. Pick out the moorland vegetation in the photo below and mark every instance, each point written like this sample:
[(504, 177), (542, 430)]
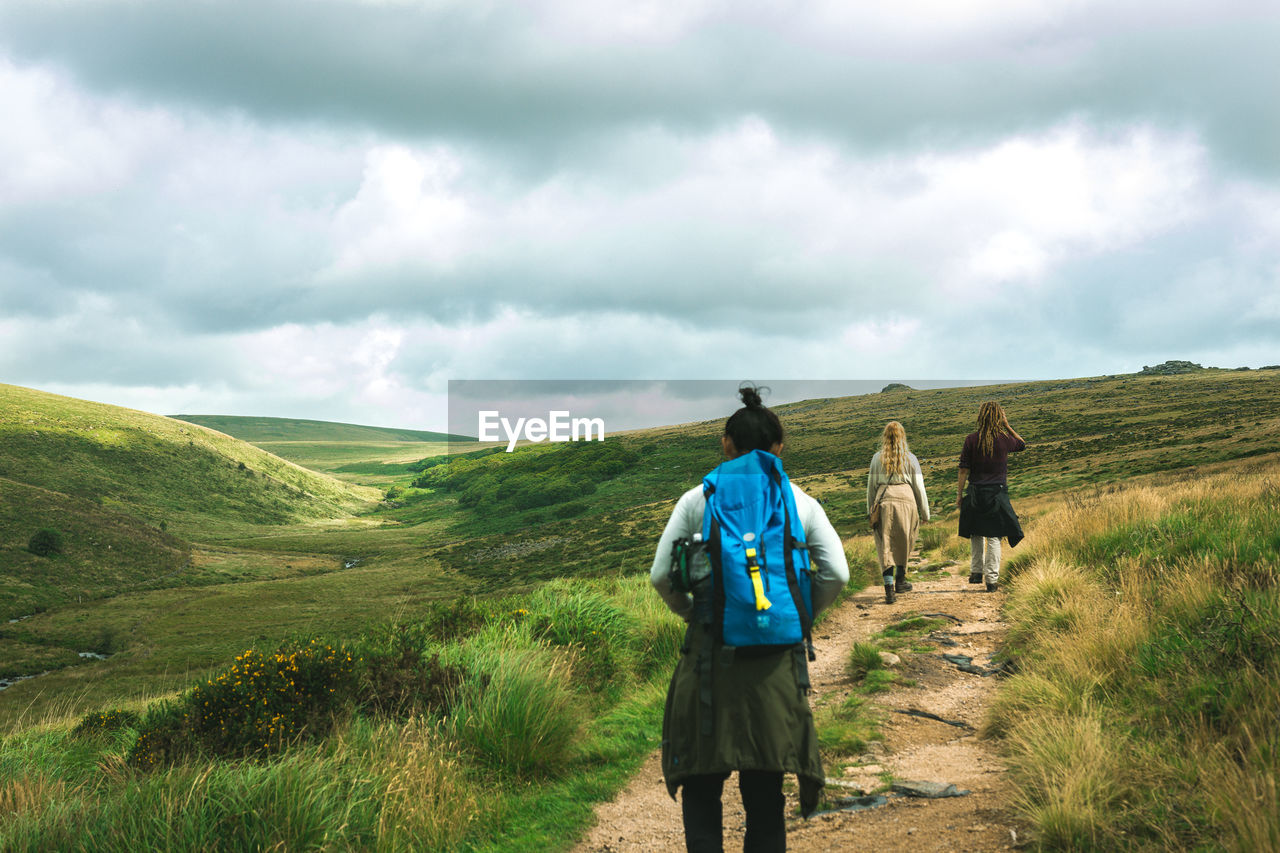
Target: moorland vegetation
[(364, 654)]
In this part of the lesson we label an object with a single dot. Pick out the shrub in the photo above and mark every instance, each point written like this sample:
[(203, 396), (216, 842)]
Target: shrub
[(103, 722), (570, 510), (453, 620), (45, 543), (165, 737), (397, 679), (261, 704)]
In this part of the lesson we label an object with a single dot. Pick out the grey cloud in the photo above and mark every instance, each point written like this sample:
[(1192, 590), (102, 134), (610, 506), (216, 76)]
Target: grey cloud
[(106, 349), (492, 79)]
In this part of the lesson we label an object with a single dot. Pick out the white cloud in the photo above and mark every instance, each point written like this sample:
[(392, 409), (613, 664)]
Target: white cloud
[(642, 22), (58, 142), (406, 213)]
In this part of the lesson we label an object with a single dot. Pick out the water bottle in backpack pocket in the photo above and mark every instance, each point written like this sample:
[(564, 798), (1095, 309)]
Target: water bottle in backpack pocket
[(691, 573)]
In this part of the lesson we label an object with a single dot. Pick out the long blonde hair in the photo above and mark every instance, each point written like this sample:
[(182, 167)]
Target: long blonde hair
[(893, 449), (990, 424)]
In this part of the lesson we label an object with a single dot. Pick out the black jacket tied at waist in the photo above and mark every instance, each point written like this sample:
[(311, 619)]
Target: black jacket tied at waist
[(986, 511)]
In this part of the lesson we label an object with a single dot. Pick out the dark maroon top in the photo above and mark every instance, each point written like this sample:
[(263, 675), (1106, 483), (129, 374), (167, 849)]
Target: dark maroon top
[(989, 469)]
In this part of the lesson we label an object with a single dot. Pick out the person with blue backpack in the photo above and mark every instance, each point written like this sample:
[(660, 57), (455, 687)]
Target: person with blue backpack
[(747, 560)]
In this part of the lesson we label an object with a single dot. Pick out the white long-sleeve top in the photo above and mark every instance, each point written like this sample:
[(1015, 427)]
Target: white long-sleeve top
[(825, 550), (876, 477)]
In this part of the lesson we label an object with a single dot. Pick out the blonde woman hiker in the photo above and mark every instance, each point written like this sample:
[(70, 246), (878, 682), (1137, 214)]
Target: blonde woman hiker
[(895, 487), (985, 512)]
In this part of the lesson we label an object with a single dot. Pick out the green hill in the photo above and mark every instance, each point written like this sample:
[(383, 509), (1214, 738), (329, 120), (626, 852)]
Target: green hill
[(368, 455), (555, 542), (104, 551), (1082, 433), (266, 430), (275, 550), (126, 490), (1143, 610)]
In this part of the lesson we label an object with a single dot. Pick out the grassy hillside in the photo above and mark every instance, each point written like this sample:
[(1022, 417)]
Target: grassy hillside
[(104, 551), (368, 455), (260, 430), (556, 540), (1083, 432), (1145, 622), (156, 469), (517, 520), (128, 494)]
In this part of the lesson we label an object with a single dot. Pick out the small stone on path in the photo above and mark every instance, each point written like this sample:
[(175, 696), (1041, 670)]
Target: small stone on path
[(927, 790)]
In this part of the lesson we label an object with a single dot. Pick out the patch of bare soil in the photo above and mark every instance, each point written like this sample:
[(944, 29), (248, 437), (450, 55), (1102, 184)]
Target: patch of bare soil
[(645, 818)]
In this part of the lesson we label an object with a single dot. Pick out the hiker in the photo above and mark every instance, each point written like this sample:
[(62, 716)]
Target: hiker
[(735, 705), (896, 504), (985, 512)]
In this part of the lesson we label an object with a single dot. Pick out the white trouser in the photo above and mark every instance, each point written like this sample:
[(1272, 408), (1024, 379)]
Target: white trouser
[(984, 557)]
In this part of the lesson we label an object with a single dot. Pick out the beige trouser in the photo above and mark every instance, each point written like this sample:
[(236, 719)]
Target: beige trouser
[(984, 557)]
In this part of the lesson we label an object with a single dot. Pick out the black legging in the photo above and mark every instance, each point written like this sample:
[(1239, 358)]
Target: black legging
[(761, 797)]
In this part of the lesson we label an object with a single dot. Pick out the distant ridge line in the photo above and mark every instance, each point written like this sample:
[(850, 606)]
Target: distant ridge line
[(257, 429)]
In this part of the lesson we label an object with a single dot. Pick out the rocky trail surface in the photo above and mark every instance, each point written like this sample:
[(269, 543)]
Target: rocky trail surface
[(930, 717)]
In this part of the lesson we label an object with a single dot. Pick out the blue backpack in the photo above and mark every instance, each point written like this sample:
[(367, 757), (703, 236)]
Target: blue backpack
[(759, 560)]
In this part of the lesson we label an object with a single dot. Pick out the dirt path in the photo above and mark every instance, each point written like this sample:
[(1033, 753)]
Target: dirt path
[(644, 818)]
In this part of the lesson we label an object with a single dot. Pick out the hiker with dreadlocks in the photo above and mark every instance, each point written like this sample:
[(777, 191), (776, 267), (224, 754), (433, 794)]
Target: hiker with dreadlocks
[(896, 504), (747, 560), (985, 512)]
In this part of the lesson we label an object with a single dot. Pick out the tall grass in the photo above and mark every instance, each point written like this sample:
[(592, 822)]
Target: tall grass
[(377, 787), (517, 711), (483, 741), (1145, 624)]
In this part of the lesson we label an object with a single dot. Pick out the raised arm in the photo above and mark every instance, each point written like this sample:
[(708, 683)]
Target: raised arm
[(1009, 429)]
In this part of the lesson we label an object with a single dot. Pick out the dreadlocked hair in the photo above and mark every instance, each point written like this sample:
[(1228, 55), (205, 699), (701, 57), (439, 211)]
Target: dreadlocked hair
[(893, 449), (753, 427), (990, 424)]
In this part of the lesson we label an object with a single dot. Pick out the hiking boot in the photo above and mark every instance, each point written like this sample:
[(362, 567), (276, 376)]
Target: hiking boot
[(889, 594), (973, 578), (992, 586), (900, 580)]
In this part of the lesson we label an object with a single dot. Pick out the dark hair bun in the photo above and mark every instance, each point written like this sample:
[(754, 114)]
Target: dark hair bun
[(753, 427)]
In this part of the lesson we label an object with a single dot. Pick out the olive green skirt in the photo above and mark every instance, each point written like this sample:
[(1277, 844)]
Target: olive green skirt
[(737, 709)]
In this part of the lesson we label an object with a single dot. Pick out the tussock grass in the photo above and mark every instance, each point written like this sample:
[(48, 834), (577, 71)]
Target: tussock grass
[(517, 712), (863, 658), (955, 549), (1075, 783), (846, 727), (935, 536), (1145, 623)]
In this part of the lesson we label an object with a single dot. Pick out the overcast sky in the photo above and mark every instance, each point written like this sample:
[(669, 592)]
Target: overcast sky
[(327, 209)]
